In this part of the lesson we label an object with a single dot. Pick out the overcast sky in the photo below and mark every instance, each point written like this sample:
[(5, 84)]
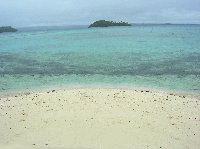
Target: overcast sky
[(69, 12)]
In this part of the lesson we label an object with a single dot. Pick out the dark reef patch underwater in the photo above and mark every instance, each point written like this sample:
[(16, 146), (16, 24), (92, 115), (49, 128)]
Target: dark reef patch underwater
[(91, 64)]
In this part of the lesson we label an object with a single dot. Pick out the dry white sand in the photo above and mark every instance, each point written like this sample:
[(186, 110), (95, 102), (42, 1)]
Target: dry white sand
[(99, 119)]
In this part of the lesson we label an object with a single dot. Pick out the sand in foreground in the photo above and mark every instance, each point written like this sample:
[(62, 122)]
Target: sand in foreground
[(99, 119)]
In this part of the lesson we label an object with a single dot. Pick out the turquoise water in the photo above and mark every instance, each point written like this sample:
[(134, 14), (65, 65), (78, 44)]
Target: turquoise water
[(153, 56)]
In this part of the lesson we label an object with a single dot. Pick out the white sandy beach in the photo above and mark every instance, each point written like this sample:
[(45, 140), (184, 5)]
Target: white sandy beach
[(99, 119)]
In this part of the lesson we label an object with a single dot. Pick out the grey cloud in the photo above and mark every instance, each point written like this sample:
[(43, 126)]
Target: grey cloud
[(60, 12)]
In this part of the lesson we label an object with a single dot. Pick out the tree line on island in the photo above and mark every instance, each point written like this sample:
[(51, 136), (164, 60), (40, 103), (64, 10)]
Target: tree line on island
[(104, 23), (7, 29), (100, 23)]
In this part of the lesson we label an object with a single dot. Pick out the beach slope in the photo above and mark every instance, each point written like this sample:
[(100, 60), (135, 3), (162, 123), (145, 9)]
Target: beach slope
[(99, 119)]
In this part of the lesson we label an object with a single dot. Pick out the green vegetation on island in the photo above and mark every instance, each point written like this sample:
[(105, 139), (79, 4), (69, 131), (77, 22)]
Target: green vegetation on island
[(104, 23), (7, 29)]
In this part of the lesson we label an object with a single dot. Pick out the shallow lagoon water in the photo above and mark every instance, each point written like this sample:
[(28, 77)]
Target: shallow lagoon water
[(153, 56)]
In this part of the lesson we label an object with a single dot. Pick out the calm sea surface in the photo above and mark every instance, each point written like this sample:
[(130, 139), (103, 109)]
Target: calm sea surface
[(152, 56)]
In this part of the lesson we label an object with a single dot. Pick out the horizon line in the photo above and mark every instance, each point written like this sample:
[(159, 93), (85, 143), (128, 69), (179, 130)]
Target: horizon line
[(137, 23)]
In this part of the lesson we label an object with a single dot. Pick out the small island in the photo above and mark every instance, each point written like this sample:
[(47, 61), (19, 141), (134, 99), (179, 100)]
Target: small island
[(7, 29), (104, 23)]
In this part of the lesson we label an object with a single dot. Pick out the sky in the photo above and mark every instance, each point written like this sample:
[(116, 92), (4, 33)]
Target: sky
[(22, 13)]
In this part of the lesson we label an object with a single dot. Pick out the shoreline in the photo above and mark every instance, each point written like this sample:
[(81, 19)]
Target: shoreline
[(77, 87)]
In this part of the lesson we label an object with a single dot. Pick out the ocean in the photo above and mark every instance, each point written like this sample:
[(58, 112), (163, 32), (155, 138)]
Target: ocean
[(141, 56)]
